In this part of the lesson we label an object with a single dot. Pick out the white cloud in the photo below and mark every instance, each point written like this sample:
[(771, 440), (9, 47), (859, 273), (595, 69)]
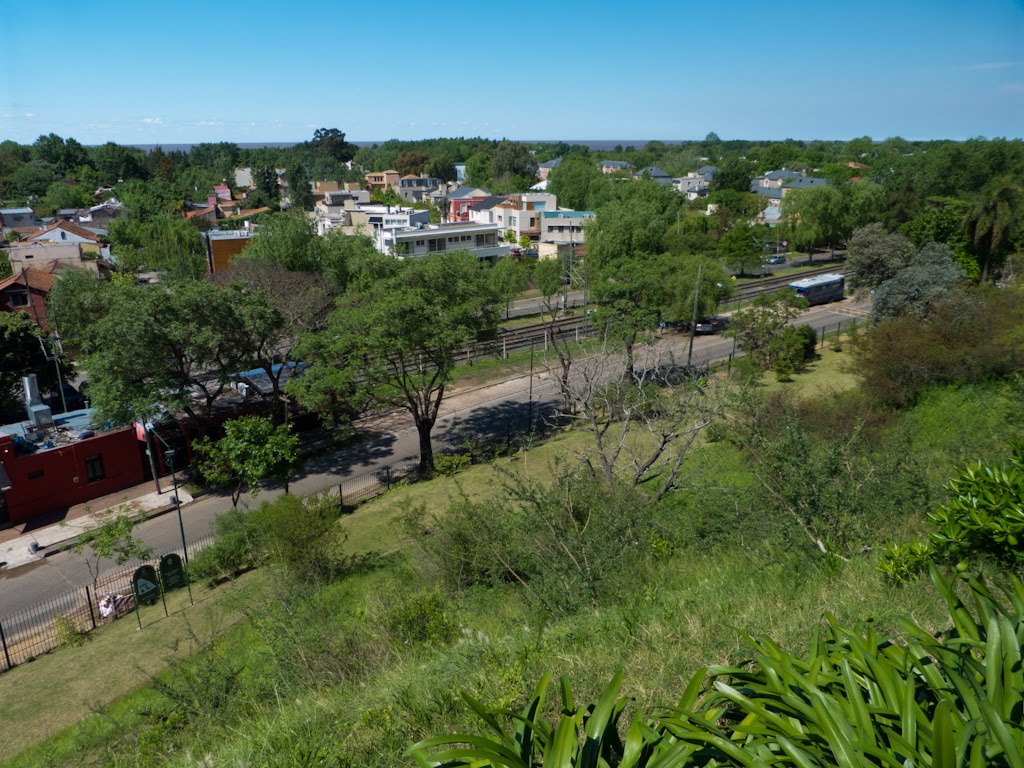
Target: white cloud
[(28, 114), (153, 120)]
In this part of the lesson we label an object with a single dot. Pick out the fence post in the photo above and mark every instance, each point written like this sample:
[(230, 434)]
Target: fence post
[(341, 500), (3, 642), (387, 477), (545, 340), (92, 614), (822, 344), (504, 349), (729, 367)]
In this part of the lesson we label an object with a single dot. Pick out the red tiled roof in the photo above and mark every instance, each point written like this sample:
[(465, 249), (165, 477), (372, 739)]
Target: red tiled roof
[(71, 228), (30, 277), (199, 212)]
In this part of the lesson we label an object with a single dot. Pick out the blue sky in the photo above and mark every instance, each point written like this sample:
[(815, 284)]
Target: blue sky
[(150, 71)]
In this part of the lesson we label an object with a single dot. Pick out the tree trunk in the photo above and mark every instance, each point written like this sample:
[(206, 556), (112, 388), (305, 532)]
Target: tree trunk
[(424, 428)]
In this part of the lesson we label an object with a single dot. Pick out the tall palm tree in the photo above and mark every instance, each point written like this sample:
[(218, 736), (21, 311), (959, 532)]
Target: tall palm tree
[(991, 221)]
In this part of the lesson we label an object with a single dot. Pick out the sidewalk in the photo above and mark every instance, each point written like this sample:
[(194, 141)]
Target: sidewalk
[(28, 543)]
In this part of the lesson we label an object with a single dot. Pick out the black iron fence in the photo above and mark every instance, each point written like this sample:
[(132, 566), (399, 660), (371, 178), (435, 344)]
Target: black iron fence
[(31, 632)]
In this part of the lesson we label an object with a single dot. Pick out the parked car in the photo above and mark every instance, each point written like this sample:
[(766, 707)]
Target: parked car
[(777, 259)]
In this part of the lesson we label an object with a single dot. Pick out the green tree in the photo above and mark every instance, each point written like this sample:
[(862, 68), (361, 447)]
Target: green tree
[(169, 348), (942, 221), (575, 181), (299, 190), (630, 296), (411, 163), (440, 167), (331, 143), (164, 243), (508, 280), (823, 215), (112, 539), (77, 299), (926, 279), (115, 163), (681, 283), (740, 249), (755, 327), (512, 166), (394, 341), (60, 194), (733, 174), (994, 219), (288, 239), (478, 170), (876, 256), (21, 353), (251, 451)]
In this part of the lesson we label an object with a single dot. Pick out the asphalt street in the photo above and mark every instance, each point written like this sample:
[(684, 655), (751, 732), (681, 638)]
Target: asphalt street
[(490, 412)]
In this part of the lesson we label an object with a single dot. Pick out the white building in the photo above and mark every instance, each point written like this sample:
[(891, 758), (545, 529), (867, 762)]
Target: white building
[(482, 240)]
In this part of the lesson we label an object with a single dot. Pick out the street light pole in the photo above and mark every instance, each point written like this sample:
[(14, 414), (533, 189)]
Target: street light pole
[(169, 454)]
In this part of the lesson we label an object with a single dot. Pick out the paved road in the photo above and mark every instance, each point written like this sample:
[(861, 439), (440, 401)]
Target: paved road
[(492, 412)]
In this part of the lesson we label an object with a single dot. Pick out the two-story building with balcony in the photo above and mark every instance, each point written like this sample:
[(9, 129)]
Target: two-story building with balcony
[(482, 240), (565, 227)]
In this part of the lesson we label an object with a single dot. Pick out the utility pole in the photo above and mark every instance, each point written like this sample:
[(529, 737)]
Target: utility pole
[(693, 322)]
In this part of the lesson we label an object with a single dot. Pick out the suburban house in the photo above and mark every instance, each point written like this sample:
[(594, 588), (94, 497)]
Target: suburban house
[(654, 173), (17, 218), (771, 214), (333, 211), (52, 462), (482, 240), (519, 213), (615, 166), (63, 231), (26, 291), (381, 180), (415, 189), (564, 226), (544, 169), (98, 217), (216, 209), (53, 256), (776, 184), (461, 199), (377, 217)]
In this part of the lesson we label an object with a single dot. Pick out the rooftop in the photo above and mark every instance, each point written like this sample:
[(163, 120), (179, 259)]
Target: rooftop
[(568, 214), (67, 428), (810, 282)]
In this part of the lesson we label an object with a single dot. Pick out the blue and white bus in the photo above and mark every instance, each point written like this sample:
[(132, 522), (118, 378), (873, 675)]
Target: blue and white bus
[(820, 289)]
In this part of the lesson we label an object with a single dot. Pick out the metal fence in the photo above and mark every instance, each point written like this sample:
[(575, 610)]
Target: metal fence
[(31, 632)]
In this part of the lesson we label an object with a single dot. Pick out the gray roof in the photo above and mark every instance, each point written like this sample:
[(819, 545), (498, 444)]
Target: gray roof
[(487, 203), (773, 193), (783, 174), (654, 172), (551, 163), (803, 182), (615, 164), (465, 191), (707, 170)]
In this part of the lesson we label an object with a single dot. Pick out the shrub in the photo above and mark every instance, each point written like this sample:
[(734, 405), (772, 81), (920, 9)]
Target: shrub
[(575, 542), (237, 546), (303, 538), (448, 464), (67, 632), (421, 617), (984, 518)]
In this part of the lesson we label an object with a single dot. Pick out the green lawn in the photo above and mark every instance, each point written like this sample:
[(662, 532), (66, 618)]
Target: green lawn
[(61, 688), (831, 372)]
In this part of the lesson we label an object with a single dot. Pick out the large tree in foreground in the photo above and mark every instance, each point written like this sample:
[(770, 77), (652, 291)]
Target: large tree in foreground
[(394, 341)]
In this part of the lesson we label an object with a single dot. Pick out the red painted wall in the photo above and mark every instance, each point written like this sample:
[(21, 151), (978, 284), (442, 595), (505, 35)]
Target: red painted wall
[(64, 481)]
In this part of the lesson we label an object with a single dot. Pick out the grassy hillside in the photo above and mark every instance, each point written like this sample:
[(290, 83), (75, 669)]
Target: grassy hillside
[(353, 671)]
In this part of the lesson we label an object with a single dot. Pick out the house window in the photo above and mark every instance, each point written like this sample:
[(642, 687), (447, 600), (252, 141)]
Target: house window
[(437, 245), (19, 299), (94, 468)]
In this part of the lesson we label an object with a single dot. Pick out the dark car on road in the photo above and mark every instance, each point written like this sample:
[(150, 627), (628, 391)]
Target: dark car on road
[(776, 259)]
